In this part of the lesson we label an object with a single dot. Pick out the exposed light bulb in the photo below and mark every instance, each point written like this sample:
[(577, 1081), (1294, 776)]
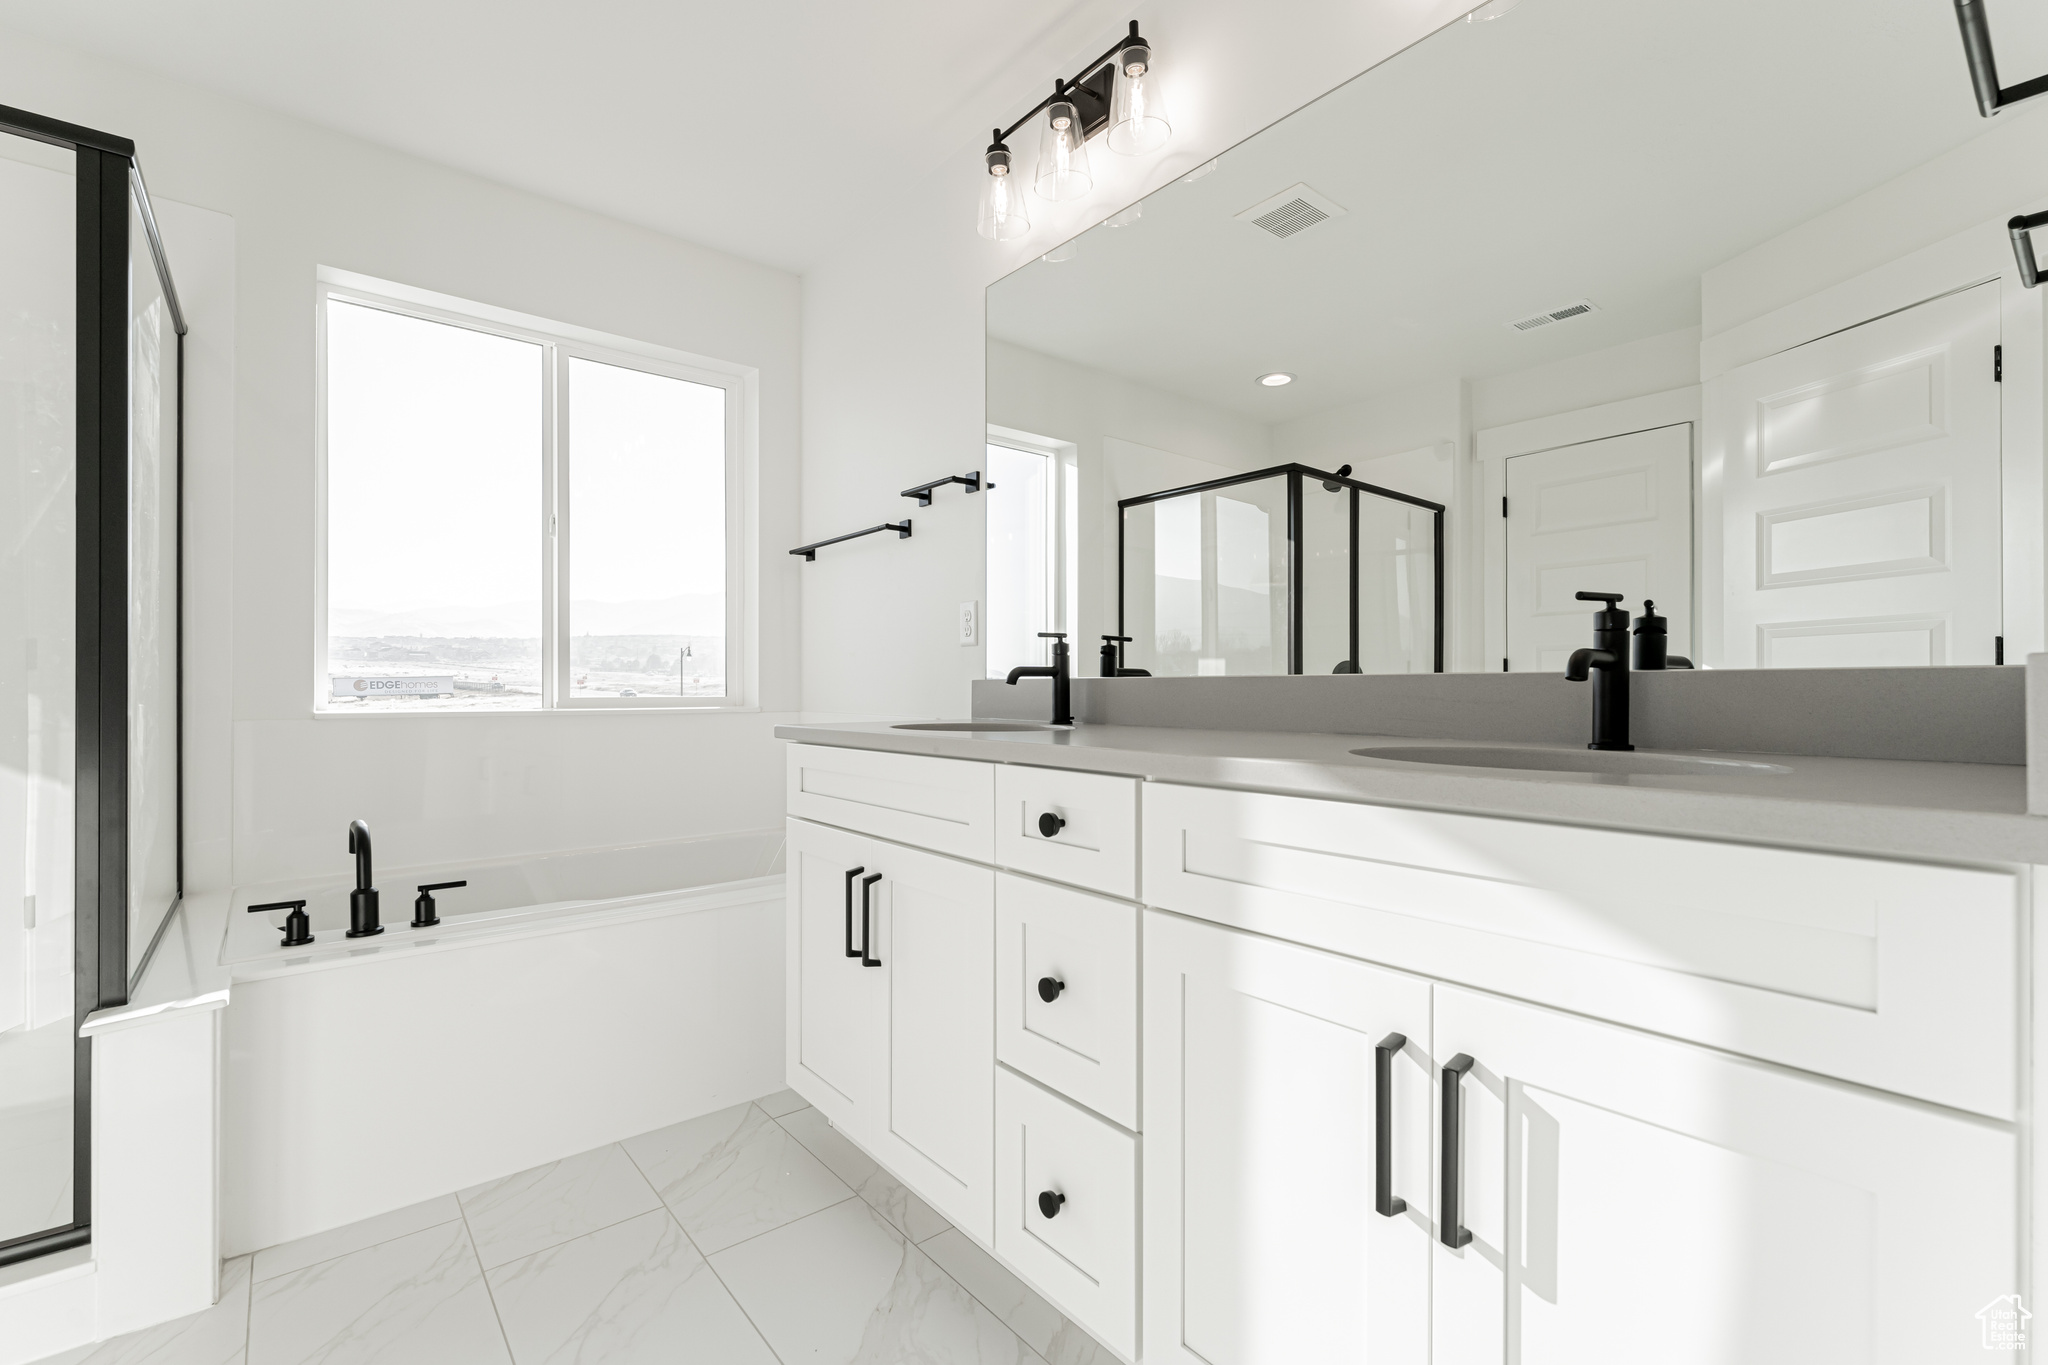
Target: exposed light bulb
[(1003, 217), (1137, 115), (1063, 172), (1275, 379)]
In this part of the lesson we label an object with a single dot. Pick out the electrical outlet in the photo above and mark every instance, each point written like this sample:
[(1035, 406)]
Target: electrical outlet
[(970, 613)]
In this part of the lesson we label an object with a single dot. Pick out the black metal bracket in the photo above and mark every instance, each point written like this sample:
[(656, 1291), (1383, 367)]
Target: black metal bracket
[(1984, 66), (2022, 229), (810, 552), (969, 481)]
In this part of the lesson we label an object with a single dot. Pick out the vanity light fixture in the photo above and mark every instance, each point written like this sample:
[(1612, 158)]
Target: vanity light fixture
[(1984, 67), (1117, 91), (1275, 379)]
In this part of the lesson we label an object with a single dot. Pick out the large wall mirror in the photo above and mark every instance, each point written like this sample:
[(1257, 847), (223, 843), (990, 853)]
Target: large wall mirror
[(1709, 303)]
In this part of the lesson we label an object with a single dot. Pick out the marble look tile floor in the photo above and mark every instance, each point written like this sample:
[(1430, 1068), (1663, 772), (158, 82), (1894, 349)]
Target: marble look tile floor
[(758, 1235)]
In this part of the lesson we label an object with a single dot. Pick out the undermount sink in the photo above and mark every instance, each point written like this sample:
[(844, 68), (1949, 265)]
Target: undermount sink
[(1618, 762), (980, 726)]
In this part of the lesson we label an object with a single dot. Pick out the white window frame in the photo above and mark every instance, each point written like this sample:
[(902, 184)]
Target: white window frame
[(559, 343), (1062, 521)]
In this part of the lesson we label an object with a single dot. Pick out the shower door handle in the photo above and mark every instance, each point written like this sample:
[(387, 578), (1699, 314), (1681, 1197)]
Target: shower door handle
[(1383, 1197), (1449, 1230), (851, 873), (867, 958)]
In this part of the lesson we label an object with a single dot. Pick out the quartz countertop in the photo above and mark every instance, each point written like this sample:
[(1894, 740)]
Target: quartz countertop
[(1958, 812)]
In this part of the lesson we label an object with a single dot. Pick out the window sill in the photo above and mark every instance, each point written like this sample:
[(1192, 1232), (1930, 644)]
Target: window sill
[(322, 713)]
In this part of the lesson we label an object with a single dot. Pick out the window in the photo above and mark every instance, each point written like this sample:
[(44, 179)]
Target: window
[(1032, 583), (520, 518)]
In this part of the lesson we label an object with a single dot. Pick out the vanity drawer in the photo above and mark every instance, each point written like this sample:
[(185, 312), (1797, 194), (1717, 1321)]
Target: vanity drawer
[(1095, 843), (942, 804), (1084, 1257), (1890, 974), (1084, 1041)]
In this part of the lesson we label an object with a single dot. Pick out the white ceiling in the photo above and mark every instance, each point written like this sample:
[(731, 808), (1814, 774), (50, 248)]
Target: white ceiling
[(1602, 149), (760, 127)]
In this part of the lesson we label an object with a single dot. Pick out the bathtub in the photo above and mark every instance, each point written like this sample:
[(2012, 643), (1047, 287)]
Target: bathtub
[(505, 896), (565, 1001)]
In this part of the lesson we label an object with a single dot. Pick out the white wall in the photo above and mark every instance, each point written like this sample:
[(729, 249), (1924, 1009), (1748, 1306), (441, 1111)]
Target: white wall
[(434, 787), (893, 323)]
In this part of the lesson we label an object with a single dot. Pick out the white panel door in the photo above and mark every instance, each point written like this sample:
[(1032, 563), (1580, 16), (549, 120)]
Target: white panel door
[(836, 1009), (1858, 485), (1264, 1243), (1613, 515), (1628, 1198), (934, 935)]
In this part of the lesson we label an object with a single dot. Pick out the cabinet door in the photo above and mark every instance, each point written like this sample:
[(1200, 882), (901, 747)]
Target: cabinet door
[(1630, 1198), (934, 1124), (836, 1010), (1263, 1242)]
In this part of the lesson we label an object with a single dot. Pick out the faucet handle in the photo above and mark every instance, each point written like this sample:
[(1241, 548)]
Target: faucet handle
[(1052, 635), (1610, 598), (298, 930)]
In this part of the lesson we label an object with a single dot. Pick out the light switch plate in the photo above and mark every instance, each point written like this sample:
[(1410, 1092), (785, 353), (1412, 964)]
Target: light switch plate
[(970, 613)]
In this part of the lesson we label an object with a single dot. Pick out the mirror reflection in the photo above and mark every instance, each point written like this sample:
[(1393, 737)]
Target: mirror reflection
[(1707, 305)]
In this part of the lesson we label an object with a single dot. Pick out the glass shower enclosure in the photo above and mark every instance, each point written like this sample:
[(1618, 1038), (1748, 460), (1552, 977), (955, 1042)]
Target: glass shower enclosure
[(91, 387), (1283, 570)]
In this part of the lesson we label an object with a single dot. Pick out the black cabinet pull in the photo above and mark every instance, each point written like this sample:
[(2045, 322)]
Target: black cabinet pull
[(1049, 988), (867, 959), (851, 873), (1383, 1054), (1049, 1203), (1050, 824), (1449, 1230)]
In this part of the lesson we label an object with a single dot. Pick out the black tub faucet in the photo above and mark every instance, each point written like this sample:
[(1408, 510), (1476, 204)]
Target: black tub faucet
[(1062, 680), (362, 902), (1606, 663)]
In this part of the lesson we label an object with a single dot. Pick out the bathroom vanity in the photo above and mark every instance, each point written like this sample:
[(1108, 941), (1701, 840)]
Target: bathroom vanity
[(1377, 1073)]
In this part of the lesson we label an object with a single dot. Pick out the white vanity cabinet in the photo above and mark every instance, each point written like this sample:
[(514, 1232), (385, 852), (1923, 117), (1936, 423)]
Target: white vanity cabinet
[(891, 1009), (1629, 1198), (1265, 1243)]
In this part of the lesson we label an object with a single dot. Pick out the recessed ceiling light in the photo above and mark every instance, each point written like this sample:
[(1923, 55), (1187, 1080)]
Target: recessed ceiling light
[(1275, 379)]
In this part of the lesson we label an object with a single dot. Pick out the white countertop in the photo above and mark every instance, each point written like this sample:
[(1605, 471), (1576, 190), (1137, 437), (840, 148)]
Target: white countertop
[(1960, 812)]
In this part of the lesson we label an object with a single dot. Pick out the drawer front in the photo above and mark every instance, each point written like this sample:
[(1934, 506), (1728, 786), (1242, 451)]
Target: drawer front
[(1085, 1257), (1894, 975), (1081, 950), (1096, 842), (943, 804)]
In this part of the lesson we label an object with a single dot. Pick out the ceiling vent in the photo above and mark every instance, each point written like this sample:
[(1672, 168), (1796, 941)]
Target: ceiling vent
[(1292, 211), (1576, 309)]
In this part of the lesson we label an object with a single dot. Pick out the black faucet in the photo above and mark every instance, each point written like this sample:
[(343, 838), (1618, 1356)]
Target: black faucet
[(1062, 681), (1653, 642), (1113, 659), (362, 902), (1607, 664)]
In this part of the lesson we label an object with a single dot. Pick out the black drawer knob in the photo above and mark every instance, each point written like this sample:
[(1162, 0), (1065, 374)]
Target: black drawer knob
[(1049, 1203), (1049, 989), (1049, 825)]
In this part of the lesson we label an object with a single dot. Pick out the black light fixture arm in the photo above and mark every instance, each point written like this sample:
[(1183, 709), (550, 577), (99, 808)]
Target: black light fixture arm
[(2022, 229), (810, 551), (1060, 88), (1984, 66), (970, 481)]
